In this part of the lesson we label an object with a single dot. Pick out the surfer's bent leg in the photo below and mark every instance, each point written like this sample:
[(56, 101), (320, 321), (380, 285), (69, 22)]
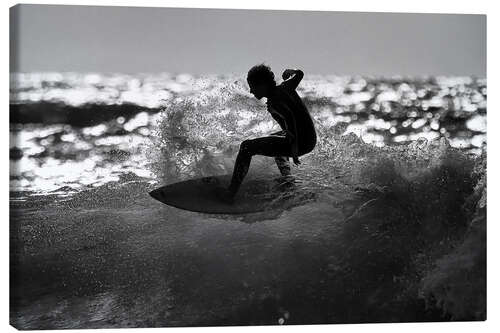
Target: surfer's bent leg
[(283, 165), (267, 146), (282, 161)]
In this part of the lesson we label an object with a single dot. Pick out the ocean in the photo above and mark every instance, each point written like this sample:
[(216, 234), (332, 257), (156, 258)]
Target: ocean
[(397, 231)]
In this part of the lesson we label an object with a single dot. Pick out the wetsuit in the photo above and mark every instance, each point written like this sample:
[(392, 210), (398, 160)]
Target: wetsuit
[(288, 109)]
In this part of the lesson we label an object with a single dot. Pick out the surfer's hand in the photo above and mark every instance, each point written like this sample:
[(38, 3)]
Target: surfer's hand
[(296, 160), (289, 136), (287, 73)]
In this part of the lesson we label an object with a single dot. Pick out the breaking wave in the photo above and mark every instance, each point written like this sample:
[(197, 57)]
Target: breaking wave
[(418, 223)]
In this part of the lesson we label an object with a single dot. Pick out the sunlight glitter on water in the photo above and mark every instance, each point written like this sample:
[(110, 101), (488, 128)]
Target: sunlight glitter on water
[(46, 156)]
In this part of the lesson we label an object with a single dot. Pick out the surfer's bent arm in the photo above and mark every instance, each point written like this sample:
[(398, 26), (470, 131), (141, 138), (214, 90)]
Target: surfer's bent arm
[(288, 120), (292, 77), (295, 142)]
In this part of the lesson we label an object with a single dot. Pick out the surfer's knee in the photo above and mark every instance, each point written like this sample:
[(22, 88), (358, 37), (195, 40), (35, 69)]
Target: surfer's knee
[(246, 147)]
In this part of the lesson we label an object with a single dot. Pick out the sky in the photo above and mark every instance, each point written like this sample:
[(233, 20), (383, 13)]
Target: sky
[(216, 41)]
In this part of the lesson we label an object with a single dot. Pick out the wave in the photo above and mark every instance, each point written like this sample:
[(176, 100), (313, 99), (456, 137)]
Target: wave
[(396, 233), (86, 115)]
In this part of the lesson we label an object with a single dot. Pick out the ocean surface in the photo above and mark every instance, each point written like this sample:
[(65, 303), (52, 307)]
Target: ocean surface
[(396, 232)]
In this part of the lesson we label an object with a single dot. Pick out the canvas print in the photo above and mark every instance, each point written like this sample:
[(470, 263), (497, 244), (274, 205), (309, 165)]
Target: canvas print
[(215, 167)]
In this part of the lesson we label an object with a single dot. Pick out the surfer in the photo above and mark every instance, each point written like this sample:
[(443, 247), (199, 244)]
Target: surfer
[(297, 137)]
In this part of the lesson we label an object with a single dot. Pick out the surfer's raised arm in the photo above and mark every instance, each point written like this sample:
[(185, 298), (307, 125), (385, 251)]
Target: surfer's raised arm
[(292, 77)]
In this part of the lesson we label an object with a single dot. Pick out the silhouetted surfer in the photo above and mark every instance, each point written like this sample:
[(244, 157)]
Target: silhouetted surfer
[(298, 136)]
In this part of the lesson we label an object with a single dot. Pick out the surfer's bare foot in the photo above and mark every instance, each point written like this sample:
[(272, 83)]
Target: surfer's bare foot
[(224, 195)]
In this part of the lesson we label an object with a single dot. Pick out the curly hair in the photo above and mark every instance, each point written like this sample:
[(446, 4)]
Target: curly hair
[(260, 74)]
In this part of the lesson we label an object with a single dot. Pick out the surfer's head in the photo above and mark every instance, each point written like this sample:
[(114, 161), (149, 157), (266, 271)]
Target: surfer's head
[(260, 78)]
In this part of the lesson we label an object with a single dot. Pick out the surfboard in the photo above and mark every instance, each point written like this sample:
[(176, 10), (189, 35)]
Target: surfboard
[(254, 195)]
